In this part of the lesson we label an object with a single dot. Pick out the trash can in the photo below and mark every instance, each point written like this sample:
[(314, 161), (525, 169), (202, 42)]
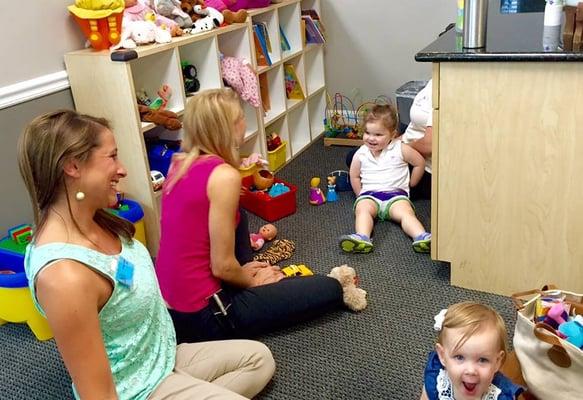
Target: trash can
[(405, 95)]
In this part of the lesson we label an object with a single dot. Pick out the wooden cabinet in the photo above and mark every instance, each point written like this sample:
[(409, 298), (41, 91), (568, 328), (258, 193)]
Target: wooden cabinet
[(107, 88), (507, 165)]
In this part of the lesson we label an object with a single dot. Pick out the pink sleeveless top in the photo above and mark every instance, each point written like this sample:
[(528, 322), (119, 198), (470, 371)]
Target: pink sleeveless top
[(183, 264)]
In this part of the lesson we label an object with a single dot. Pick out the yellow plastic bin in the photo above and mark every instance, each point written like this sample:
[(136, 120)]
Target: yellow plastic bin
[(247, 171), (132, 211), (276, 157)]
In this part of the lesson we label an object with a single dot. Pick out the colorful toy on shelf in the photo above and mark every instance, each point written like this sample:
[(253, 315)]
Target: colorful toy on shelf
[(100, 21), (161, 102), (166, 118), (331, 195), (171, 9), (263, 179), (16, 303), (157, 180), (316, 195), (21, 234), (278, 189), (266, 233), (137, 33), (297, 270), (189, 74), (139, 11), (273, 141)]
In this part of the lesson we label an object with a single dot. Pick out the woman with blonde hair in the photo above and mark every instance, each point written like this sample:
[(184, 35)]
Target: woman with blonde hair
[(97, 286), (211, 294)]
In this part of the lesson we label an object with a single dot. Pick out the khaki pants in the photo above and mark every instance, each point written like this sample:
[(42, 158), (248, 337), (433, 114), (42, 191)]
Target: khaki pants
[(230, 369)]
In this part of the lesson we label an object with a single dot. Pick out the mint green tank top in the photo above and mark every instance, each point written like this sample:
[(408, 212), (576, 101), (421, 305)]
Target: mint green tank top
[(137, 330)]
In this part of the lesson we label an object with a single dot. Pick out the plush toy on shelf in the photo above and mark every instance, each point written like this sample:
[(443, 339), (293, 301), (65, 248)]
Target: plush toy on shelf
[(354, 297), (229, 16), (166, 118), (135, 33), (316, 195), (171, 9), (189, 74), (100, 21), (136, 10), (266, 233)]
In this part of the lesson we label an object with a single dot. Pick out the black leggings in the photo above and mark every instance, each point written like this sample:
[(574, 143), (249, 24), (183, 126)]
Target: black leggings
[(261, 309)]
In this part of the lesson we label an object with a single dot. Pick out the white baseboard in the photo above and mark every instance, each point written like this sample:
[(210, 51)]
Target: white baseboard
[(31, 89)]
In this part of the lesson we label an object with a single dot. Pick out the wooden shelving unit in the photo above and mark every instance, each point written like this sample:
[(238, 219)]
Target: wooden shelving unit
[(107, 88)]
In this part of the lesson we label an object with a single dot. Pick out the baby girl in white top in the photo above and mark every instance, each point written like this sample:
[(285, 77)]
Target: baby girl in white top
[(380, 178), (470, 349)]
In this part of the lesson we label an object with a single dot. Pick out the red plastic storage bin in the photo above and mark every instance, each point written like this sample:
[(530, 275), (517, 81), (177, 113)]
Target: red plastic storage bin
[(269, 208)]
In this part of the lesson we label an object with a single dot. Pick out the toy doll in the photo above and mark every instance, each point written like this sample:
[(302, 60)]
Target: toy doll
[(331, 196), (266, 233), (316, 195)]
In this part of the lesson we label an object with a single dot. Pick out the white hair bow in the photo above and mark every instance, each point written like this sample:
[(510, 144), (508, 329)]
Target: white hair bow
[(439, 318)]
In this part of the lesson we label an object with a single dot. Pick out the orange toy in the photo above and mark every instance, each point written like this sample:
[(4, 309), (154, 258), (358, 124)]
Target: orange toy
[(100, 21)]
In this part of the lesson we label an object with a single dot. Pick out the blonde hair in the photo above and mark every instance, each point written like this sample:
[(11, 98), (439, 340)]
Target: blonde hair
[(471, 317), (386, 114), (46, 144), (209, 128)]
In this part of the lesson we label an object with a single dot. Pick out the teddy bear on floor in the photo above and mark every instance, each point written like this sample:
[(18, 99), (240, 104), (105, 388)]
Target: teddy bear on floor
[(354, 297), (266, 233), (166, 118)]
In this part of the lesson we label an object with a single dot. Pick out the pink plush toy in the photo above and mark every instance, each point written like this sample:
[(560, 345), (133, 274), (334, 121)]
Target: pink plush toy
[(556, 315), (266, 233), (239, 75), (247, 4)]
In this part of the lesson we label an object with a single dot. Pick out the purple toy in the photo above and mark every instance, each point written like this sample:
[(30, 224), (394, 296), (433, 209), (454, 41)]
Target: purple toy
[(556, 315)]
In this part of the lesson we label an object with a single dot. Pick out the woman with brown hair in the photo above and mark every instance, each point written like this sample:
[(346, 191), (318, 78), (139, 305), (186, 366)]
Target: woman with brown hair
[(97, 286)]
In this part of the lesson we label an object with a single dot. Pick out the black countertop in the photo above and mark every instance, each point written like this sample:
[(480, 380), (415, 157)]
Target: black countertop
[(509, 37)]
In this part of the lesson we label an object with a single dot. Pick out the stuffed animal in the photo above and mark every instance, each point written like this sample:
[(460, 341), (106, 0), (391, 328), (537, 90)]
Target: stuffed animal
[(166, 118), (139, 11), (354, 297), (248, 4), (237, 73), (171, 9), (266, 233), (202, 25), (135, 33), (229, 15)]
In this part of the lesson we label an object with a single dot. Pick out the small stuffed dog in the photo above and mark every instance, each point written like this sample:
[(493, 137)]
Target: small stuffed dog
[(354, 297)]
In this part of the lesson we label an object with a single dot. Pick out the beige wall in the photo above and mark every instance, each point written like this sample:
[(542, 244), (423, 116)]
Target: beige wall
[(372, 43), (14, 203), (34, 41)]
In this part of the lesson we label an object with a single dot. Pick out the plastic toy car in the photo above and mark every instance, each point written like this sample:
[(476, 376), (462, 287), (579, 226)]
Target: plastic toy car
[(157, 180), (297, 270)]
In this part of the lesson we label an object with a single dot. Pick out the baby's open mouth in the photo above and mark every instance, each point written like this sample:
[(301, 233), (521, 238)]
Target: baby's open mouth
[(470, 387)]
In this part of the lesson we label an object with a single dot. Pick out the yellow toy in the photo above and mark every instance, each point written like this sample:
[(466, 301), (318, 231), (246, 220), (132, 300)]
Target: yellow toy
[(297, 270), (16, 306)]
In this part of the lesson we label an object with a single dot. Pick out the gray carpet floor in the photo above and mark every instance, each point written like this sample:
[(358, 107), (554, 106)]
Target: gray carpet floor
[(379, 353)]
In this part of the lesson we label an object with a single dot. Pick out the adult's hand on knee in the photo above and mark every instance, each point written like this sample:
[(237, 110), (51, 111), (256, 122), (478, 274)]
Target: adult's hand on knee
[(265, 276)]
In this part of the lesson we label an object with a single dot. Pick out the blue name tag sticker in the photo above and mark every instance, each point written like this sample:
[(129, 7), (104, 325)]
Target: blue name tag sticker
[(125, 272)]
